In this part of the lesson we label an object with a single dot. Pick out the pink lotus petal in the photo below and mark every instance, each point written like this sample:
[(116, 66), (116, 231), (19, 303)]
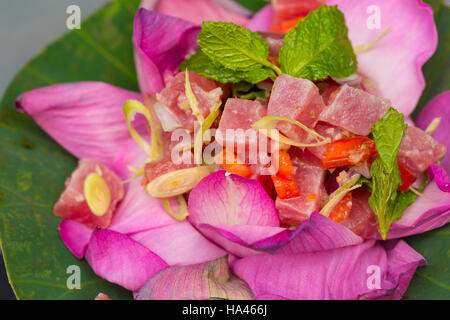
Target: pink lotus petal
[(196, 282), (439, 106), (430, 211), (231, 199), (318, 233), (86, 118), (343, 273), (242, 240), (197, 11), (226, 207), (75, 236), (269, 297), (179, 244), (161, 43), (394, 63), (441, 177), (121, 260), (139, 211), (262, 20), (231, 225)]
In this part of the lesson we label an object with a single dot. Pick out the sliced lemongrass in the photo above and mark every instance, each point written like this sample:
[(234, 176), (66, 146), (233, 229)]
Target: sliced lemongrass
[(213, 114), (133, 107), (264, 126), (366, 47), (182, 212), (137, 172), (176, 182), (328, 207), (433, 125), (192, 100), (420, 194), (338, 194), (97, 194)]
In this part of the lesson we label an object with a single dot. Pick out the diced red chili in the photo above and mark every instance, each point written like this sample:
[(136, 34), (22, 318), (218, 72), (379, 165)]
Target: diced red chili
[(407, 178), (342, 209), (348, 151), (236, 166), (285, 188)]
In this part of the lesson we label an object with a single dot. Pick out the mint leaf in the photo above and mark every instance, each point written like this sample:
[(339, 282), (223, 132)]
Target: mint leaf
[(242, 87), (365, 183), (404, 200), (319, 46), (234, 47), (245, 90), (203, 65), (388, 133)]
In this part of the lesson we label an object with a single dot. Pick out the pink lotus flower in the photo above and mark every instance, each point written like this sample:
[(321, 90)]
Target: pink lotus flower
[(147, 251)]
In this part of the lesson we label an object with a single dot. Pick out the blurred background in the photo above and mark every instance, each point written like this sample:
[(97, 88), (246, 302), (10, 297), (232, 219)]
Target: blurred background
[(26, 27)]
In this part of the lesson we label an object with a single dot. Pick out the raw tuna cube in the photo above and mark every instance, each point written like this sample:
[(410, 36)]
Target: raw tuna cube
[(355, 110), (298, 99), (362, 220), (240, 114), (328, 131), (178, 114), (157, 168), (72, 203), (310, 178), (328, 90), (419, 149)]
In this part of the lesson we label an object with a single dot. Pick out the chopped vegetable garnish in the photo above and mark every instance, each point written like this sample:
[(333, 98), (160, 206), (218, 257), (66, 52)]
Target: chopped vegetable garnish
[(285, 188), (366, 47), (198, 140), (265, 125), (177, 182), (433, 125), (133, 107), (348, 151), (342, 209), (285, 167), (97, 194), (193, 102), (137, 172), (285, 26), (334, 198), (283, 180), (182, 212), (407, 178), (231, 162)]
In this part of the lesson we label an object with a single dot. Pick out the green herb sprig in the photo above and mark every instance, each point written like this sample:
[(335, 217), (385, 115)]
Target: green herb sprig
[(386, 203), (316, 48)]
